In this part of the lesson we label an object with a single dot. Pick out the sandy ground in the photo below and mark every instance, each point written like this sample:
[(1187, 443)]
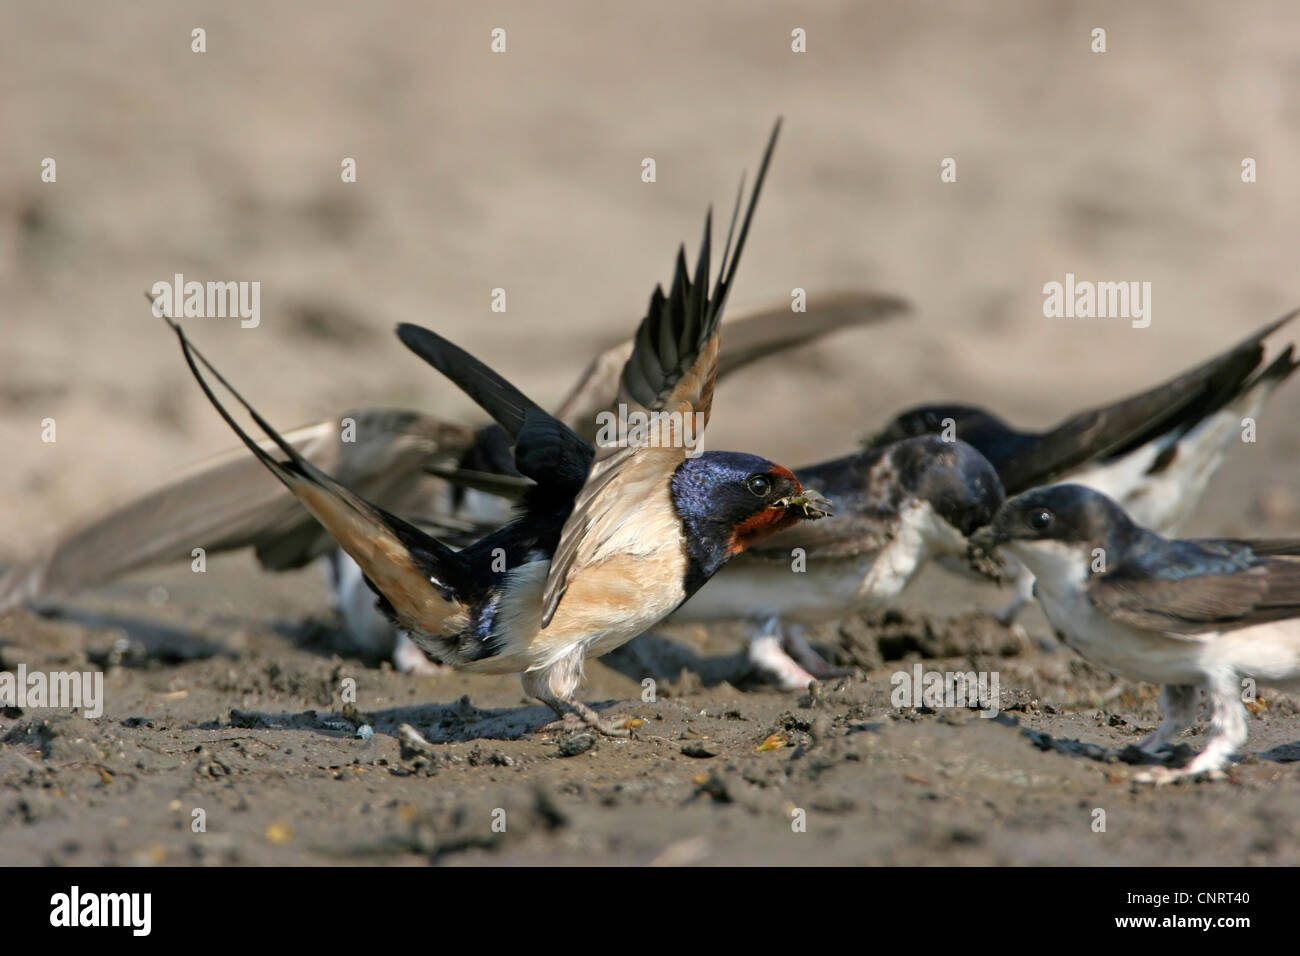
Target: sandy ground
[(522, 171)]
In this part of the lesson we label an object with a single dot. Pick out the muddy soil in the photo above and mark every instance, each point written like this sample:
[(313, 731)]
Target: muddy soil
[(239, 713)]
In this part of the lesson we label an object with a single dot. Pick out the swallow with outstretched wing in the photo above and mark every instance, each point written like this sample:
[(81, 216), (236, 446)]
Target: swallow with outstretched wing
[(394, 458), (607, 542)]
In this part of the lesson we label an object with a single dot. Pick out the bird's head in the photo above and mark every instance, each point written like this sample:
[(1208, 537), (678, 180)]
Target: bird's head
[(728, 500), (1068, 526), (956, 481)]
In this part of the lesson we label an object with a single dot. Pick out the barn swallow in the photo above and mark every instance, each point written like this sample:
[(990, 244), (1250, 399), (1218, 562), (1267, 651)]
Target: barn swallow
[(897, 507), (608, 540), (395, 458), (1154, 452), (1195, 616)]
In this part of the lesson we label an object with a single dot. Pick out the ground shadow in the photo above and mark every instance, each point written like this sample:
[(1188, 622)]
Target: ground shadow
[(458, 722), (147, 640), (663, 659)]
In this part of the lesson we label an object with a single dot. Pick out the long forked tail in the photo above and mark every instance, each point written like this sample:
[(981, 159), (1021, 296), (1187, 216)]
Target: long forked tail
[(1167, 411), (1239, 381), (417, 575)]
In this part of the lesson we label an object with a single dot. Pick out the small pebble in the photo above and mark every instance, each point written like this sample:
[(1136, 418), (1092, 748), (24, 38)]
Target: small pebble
[(577, 744)]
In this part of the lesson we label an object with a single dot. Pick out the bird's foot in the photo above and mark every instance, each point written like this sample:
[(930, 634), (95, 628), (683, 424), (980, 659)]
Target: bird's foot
[(608, 727), (809, 659), (1152, 743), (575, 715), (1163, 776), (769, 659), (561, 723)]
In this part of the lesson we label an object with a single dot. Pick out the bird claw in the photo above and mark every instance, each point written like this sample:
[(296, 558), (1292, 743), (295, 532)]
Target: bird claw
[(614, 728), (583, 717)]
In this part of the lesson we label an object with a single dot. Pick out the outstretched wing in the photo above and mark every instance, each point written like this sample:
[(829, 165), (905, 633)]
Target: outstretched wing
[(751, 335), (230, 502), (546, 450), (672, 368)]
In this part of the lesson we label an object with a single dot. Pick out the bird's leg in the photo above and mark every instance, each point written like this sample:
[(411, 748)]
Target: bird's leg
[(1006, 615), (554, 685), (1179, 704), (1226, 734), (794, 644), (1227, 730), (768, 658)]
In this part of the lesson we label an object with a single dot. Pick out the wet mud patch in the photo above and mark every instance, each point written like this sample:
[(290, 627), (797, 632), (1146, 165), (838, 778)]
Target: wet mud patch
[(259, 743)]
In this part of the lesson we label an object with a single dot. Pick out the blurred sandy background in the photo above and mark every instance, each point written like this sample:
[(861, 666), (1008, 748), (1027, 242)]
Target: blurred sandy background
[(522, 171)]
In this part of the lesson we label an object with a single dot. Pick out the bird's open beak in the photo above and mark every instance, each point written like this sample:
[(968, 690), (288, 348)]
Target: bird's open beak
[(811, 504)]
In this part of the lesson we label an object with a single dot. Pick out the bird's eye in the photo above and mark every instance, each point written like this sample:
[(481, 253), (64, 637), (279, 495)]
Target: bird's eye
[(759, 485), (1040, 520)]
